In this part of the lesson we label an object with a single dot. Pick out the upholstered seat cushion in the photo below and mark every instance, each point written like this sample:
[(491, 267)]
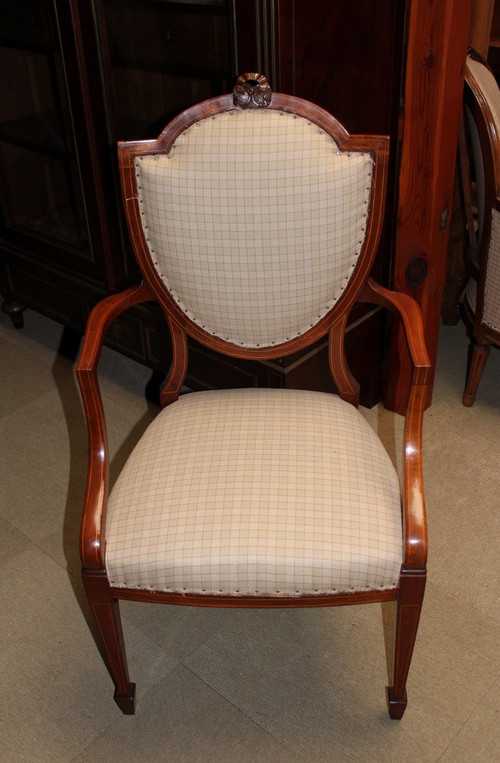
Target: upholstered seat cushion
[(256, 492)]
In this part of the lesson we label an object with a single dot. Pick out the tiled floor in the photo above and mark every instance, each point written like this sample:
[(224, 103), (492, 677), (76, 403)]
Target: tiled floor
[(218, 685)]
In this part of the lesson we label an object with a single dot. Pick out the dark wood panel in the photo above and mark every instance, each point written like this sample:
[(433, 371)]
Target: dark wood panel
[(433, 91), (347, 57)]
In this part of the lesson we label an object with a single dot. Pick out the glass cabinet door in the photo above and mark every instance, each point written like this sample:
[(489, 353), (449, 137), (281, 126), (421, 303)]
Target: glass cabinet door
[(41, 194), (161, 57)]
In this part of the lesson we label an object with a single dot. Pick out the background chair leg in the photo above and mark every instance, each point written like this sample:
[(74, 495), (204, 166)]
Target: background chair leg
[(478, 358), (409, 605), (106, 613)]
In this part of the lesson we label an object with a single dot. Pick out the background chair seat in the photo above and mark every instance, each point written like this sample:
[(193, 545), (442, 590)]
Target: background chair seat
[(256, 492)]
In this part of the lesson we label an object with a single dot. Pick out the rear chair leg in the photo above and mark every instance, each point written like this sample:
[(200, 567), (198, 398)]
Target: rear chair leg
[(105, 610), (409, 605), (477, 363)]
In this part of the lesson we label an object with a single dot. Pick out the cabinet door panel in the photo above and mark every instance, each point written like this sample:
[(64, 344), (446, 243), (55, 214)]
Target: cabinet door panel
[(51, 175), (162, 57), (346, 56), (41, 195)]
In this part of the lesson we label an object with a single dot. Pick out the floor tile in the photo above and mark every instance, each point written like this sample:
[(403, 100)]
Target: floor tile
[(16, 376), (184, 720), (464, 522), (305, 677), (479, 738), (57, 695), (12, 542), (178, 630)]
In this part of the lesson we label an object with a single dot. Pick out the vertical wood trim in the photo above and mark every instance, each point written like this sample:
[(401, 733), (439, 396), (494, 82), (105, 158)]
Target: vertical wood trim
[(285, 51), (437, 47), (480, 25)]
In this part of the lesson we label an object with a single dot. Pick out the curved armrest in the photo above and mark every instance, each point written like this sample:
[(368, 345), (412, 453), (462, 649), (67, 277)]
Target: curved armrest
[(101, 317), (415, 523)]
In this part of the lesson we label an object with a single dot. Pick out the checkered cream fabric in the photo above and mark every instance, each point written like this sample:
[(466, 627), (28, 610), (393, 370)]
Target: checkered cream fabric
[(255, 223), (256, 492), (491, 312)]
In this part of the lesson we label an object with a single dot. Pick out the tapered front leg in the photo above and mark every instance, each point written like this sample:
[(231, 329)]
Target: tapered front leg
[(409, 605), (106, 612)]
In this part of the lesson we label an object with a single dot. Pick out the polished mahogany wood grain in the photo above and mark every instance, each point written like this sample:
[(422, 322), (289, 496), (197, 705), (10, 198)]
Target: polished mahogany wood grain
[(437, 45), (105, 608), (347, 384), (169, 393), (105, 312), (409, 607), (415, 522)]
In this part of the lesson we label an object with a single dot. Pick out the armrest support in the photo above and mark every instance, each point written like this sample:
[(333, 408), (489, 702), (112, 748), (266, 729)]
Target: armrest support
[(101, 317), (415, 523)]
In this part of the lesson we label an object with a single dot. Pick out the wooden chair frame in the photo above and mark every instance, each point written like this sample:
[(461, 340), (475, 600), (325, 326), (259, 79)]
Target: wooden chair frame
[(102, 597), (480, 334)]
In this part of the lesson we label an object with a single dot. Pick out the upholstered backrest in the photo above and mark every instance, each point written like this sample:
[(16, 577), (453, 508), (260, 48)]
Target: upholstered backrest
[(255, 222), (484, 130), (486, 92), (255, 218), (488, 84)]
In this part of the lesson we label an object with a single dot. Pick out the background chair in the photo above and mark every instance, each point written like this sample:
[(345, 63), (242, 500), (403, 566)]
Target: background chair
[(481, 308), (255, 219)]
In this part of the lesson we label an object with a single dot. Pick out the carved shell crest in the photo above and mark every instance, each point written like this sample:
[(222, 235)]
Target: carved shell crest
[(252, 91)]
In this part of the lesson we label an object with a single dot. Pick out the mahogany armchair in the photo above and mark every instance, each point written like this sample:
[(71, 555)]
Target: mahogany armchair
[(255, 218), (481, 305)]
